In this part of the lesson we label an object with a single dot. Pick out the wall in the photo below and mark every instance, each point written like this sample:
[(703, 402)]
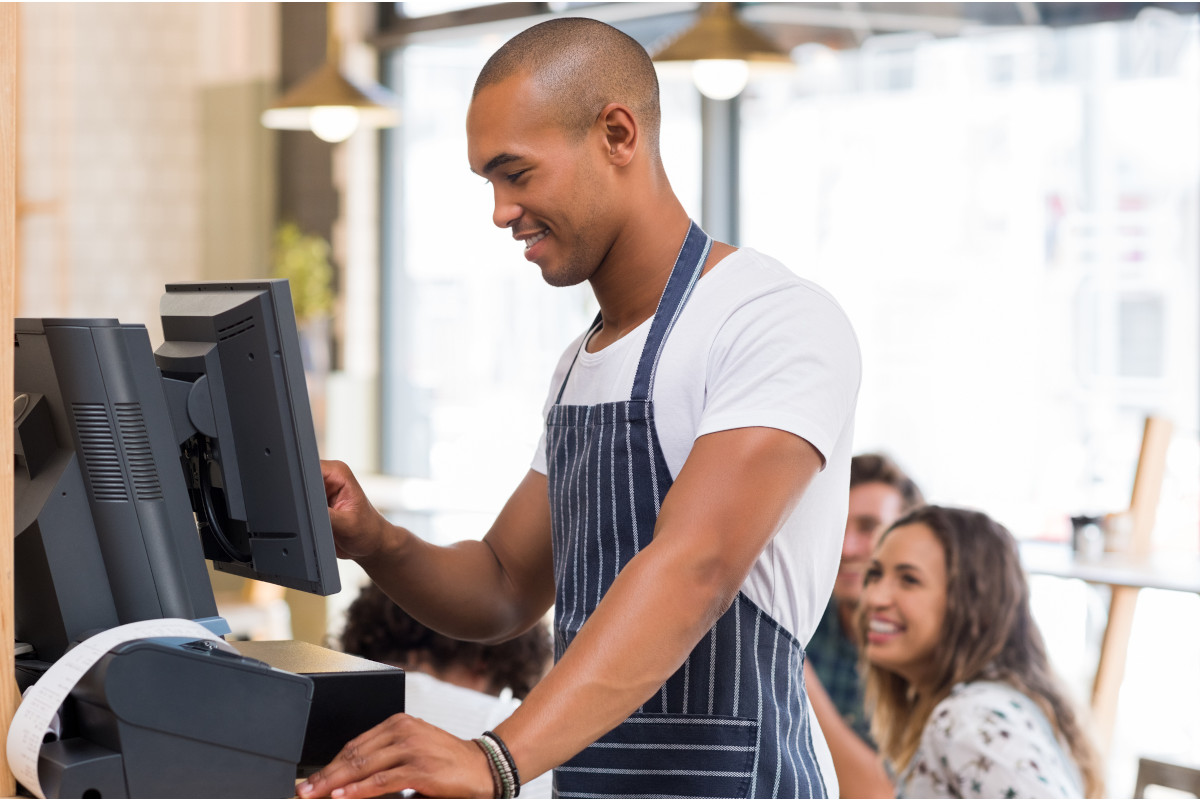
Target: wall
[(141, 160)]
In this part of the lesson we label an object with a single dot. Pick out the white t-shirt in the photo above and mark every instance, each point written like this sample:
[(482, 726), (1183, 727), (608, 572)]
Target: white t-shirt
[(755, 346)]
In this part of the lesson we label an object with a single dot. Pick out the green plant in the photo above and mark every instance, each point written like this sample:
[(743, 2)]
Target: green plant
[(303, 259)]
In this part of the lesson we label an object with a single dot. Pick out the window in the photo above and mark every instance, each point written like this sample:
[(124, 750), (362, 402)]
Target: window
[(1012, 225)]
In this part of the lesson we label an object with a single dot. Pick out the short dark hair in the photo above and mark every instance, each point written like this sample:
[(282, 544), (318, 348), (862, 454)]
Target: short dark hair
[(879, 468), (379, 630), (582, 65)]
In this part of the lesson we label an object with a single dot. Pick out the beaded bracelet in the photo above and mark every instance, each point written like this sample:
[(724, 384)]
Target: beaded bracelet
[(508, 765), (492, 767)]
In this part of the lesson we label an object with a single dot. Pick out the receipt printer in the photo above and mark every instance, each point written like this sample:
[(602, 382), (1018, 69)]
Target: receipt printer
[(177, 718)]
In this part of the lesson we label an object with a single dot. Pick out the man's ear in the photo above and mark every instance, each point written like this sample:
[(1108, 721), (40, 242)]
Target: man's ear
[(621, 133)]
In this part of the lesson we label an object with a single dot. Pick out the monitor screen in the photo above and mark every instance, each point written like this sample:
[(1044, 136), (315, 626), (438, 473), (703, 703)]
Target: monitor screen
[(231, 358)]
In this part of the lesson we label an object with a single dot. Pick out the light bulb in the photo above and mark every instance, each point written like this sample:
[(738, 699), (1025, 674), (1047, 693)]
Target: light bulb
[(333, 123), (720, 78)]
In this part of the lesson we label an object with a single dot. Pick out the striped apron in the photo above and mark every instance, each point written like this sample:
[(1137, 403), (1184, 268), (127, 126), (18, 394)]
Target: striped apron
[(732, 721)]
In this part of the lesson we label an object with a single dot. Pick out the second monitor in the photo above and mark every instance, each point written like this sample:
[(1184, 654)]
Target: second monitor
[(234, 382)]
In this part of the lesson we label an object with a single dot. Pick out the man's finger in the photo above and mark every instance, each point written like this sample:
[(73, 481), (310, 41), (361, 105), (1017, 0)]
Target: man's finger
[(386, 782), (375, 750)]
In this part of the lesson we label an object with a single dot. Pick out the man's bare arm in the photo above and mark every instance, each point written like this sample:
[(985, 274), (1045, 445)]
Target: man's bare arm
[(487, 590)]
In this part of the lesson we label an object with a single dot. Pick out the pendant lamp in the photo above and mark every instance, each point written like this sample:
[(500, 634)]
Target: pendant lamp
[(722, 49), (330, 104)]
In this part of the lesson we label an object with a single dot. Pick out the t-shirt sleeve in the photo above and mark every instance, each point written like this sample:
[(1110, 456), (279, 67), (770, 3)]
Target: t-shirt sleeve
[(787, 360)]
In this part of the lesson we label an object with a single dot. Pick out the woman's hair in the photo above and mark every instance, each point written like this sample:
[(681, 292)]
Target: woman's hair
[(988, 634), (377, 629)]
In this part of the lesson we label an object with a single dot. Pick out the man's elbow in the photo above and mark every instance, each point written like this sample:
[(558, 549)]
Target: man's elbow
[(712, 584)]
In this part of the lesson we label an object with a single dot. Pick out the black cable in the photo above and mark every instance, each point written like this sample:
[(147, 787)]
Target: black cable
[(210, 514)]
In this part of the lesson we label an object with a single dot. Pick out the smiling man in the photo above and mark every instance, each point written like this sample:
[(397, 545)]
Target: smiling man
[(684, 509)]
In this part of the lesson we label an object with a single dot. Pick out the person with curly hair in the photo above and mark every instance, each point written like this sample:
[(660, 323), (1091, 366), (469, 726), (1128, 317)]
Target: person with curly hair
[(379, 630), (963, 700)]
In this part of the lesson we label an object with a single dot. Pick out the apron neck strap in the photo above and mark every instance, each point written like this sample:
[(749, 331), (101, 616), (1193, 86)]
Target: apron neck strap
[(688, 266)]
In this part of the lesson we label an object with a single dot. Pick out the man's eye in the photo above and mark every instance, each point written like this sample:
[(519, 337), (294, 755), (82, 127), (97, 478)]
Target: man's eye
[(512, 177)]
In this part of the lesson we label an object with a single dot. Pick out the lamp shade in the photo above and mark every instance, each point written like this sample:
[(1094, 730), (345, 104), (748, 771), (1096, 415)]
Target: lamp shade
[(330, 105), (720, 35), (721, 48)]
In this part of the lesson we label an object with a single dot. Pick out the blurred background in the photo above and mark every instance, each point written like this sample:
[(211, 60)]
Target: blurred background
[(1005, 197)]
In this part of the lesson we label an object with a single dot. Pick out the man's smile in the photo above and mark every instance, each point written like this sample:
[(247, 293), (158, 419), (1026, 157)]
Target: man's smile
[(535, 238)]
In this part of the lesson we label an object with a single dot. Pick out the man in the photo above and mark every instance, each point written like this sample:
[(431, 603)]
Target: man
[(880, 493), (684, 509)]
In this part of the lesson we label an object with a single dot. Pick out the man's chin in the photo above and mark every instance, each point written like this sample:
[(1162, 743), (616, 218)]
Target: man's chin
[(562, 277)]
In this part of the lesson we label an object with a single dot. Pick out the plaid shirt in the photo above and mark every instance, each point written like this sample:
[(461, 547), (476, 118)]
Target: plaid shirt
[(835, 658)]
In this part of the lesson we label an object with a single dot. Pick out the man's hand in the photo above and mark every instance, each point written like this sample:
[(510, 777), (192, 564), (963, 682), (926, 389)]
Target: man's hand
[(358, 529), (403, 752)]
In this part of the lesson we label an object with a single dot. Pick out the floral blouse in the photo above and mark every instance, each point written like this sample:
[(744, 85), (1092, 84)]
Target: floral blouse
[(989, 740)]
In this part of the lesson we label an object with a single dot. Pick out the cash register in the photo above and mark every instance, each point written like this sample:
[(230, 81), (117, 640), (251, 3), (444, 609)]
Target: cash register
[(133, 468)]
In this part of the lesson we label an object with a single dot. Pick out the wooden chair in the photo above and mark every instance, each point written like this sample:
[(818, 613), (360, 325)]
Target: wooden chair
[(1161, 773)]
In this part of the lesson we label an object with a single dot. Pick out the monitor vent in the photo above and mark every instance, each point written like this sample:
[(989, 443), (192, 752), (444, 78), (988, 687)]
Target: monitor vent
[(239, 327), (138, 455), (100, 457)]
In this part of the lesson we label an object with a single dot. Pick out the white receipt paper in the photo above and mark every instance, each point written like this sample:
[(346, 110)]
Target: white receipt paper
[(43, 700)]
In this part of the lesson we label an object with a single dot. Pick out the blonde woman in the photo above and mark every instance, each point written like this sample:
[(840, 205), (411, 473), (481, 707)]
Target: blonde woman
[(964, 701)]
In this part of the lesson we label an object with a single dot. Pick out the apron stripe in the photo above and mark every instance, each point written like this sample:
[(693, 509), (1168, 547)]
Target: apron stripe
[(653, 469), (737, 654), (633, 520), (791, 720), (707, 773), (725, 748), (599, 495), (758, 689), (778, 747), (584, 498), (816, 782), (612, 471), (712, 667)]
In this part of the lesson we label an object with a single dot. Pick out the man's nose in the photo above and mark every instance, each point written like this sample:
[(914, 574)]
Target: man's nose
[(505, 213), (855, 546)]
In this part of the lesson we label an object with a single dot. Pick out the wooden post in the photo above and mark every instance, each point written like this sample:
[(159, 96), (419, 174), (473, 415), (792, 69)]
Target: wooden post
[(8, 270), (1143, 507), (1147, 484)]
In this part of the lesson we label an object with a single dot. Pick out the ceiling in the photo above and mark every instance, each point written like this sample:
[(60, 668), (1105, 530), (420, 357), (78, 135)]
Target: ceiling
[(839, 25)]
